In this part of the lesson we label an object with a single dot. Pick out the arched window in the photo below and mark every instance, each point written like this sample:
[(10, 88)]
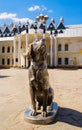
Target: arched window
[(66, 61), (12, 49), (8, 49), (59, 61), (8, 61), (59, 47), (3, 49), (66, 47), (3, 61)]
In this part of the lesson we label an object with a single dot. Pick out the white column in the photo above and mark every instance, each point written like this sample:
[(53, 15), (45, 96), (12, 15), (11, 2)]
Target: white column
[(44, 36), (55, 51), (14, 55), (35, 36), (19, 50), (26, 49), (51, 55)]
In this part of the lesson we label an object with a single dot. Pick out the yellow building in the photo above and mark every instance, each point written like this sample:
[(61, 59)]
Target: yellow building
[(64, 44)]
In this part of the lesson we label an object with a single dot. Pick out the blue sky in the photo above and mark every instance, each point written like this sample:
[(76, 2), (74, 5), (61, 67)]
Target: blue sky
[(23, 10)]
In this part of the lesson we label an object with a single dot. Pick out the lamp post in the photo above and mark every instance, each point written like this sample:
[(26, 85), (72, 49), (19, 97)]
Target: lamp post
[(42, 19), (35, 28), (44, 28), (51, 28), (55, 45), (27, 31), (51, 54), (55, 48), (14, 55), (19, 45)]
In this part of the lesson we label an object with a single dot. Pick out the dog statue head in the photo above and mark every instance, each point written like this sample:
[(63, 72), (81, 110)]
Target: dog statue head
[(37, 51)]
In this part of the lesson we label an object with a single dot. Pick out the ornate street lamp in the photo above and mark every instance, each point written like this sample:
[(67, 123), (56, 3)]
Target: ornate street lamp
[(35, 28), (44, 27), (19, 28), (51, 28), (42, 19), (56, 32), (27, 24), (14, 29)]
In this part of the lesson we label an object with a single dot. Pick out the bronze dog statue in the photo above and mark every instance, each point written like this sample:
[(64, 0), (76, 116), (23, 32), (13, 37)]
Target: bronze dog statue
[(40, 90)]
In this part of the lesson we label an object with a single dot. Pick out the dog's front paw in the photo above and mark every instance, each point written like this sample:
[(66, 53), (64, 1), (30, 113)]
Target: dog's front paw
[(33, 113), (44, 114)]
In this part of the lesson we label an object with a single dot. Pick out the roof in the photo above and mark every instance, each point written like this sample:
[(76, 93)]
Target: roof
[(23, 28), (51, 27), (61, 26), (14, 30), (0, 31), (32, 26), (74, 26), (42, 26), (63, 31), (71, 31), (7, 31)]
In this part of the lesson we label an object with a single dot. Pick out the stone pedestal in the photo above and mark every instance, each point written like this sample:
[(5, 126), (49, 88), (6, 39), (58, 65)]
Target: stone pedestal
[(38, 119)]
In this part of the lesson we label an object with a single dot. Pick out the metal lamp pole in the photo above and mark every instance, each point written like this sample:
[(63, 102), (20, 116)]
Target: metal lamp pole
[(35, 28), (51, 28), (42, 20)]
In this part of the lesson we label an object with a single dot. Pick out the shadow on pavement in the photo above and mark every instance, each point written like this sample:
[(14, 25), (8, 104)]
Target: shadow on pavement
[(4, 76), (69, 116)]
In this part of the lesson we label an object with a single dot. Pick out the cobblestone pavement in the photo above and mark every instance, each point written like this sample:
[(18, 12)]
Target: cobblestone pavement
[(15, 98)]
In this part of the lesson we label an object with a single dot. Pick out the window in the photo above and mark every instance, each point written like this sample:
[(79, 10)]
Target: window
[(16, 59), (8, 61), (59, 47), (12, 49), (3, 61), (12, 61), (59, 61), (3, 49), (8, 49), (66, 61), (66, 47)]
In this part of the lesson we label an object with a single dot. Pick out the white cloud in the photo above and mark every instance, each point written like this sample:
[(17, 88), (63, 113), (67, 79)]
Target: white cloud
[(14, 18), (6, 15), (50, 11), (34, 8), (22, 20), (43, 8)]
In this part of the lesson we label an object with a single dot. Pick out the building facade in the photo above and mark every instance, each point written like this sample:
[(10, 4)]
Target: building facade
[(64, 44)]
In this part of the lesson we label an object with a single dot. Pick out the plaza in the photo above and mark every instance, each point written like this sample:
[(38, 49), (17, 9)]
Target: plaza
[(15, 98)]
